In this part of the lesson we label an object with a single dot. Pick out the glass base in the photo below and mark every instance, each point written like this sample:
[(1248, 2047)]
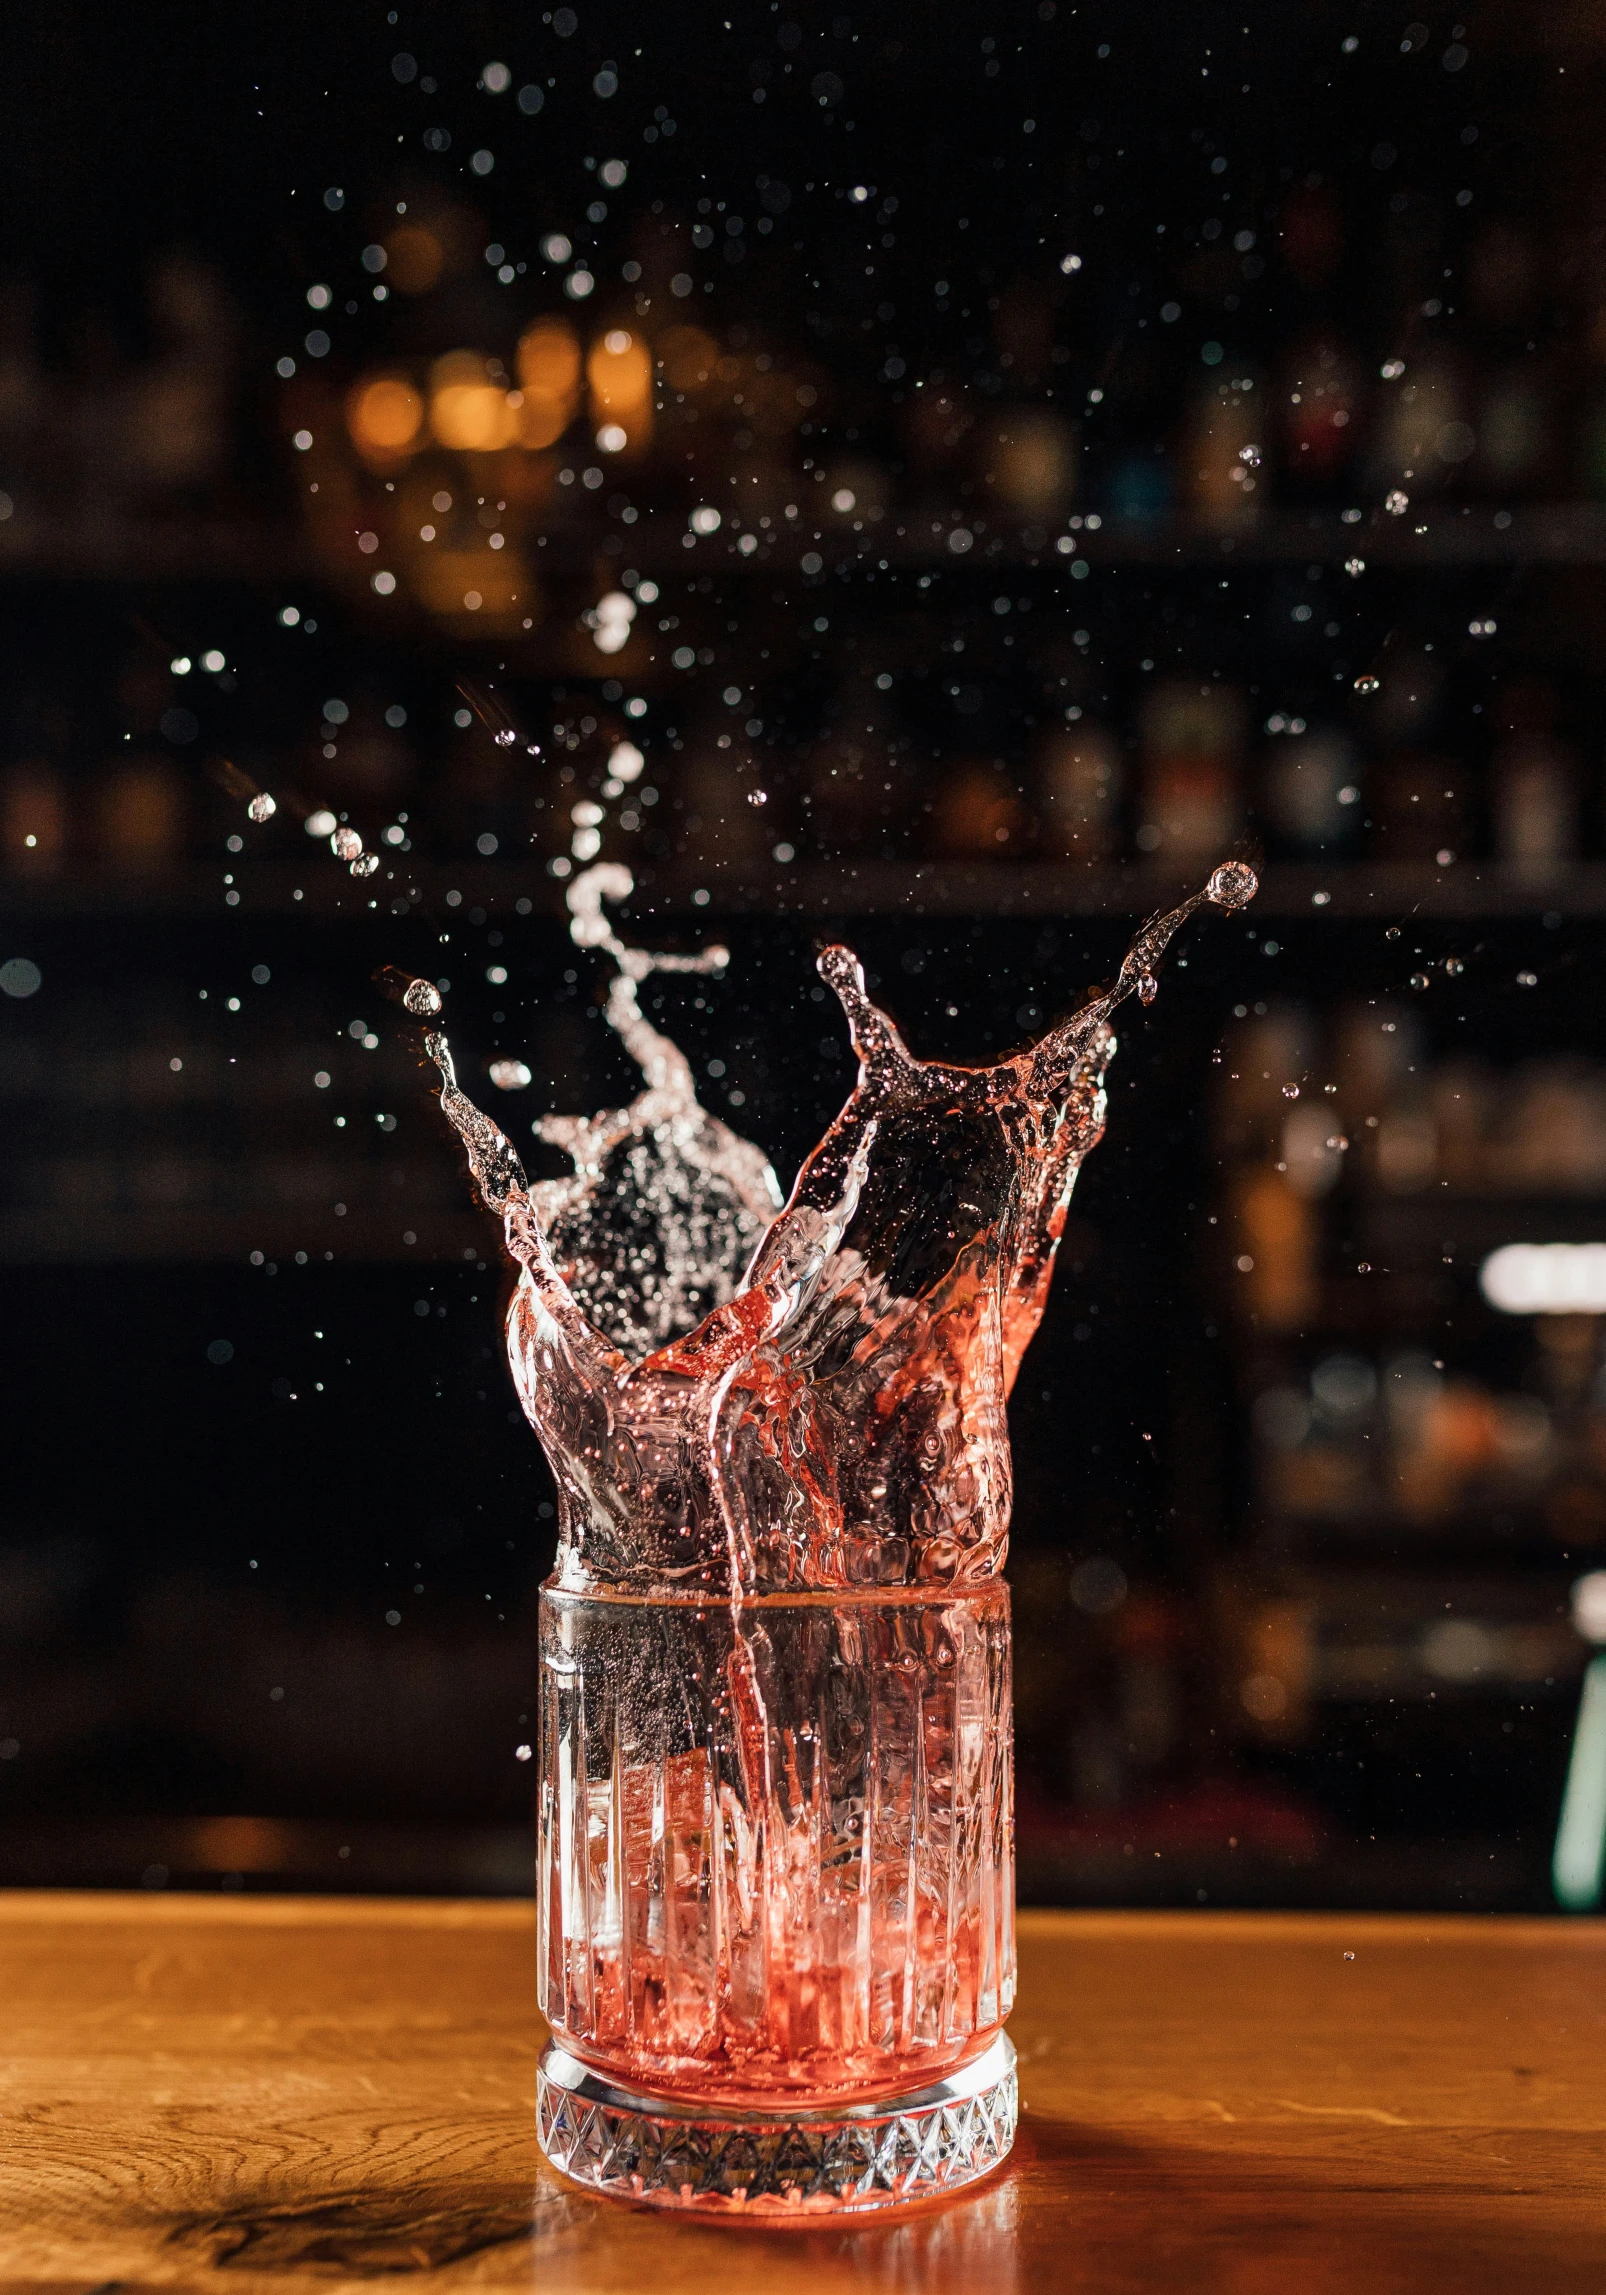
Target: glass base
[(784, 2165)]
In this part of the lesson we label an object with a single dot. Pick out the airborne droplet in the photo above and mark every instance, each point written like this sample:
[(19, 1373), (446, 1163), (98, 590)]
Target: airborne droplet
[(261, 807), (365, 864), (1233, 885), (1367, 683), (345, 844), (422, 999)]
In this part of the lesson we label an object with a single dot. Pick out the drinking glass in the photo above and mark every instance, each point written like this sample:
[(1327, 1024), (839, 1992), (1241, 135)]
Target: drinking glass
[(776, 1894)]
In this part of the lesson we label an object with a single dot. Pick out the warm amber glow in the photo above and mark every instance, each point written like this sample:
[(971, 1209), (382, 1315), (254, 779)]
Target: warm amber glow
[(549, 372), (689, 357), (467, 410), (549, 358), (385, 417), (415, 259), (619, 371)]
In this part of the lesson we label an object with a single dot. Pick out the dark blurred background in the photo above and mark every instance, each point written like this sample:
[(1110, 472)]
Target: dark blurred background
[(1042, 453)]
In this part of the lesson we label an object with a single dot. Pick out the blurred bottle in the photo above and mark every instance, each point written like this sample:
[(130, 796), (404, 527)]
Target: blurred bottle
[(1266, 1066), (385, 418), (1320, 403), (861, 777), (1192, 745), (1027, 459), (1309, 791), (140, 814), (1224, 450), (1462, 1095), (936, 422), (1274, 1234), (1417, 808), (1078, 791), (549, 382), (1310, 233), (852, 491), (33, 817), (1534, 782), (1138, 486), (1421, 435), (1516, 434), (721, 829), (1377, 1048), (979, 813), (619, 378)]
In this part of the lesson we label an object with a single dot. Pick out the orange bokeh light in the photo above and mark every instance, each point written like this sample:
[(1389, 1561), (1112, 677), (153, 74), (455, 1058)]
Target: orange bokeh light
[(549, 371), (415, 259), (385, 416), (467, 410)]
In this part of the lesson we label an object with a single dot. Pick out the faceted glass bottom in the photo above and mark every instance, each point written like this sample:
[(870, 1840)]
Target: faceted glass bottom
[(782, 2165)]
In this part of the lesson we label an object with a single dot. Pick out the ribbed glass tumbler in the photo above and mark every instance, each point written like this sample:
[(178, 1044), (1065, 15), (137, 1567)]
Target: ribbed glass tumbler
[(776, 1876)]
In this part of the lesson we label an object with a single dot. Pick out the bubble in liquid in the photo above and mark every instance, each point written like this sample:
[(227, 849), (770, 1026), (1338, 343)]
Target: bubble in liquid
[(365, 864), (261, 807), (1367, 683), (345, 844), (1233, 885), (422, 999)]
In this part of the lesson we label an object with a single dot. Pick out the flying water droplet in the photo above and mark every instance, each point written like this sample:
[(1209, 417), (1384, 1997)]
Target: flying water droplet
[(1367, 682), (365, 864), (1396, 503), (422, 999), (262, 807), (1148, 988), (345, 844), (1419, 980), (1233, 885), (508, 1075)]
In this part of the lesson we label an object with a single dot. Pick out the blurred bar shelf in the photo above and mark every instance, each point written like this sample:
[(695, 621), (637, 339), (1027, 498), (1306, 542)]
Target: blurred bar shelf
[(75, 545), (1465, 890)]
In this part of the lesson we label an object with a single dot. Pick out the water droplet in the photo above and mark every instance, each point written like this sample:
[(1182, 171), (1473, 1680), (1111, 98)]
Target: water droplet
[(1233, 885), (1354, 565), (345, 844), (1290, 1091), (1419, 980), (758, 796), (365, 864), (262, 807), (1454, 966), (1396, 503), (422, 999), (1148, 988), (508, 1075), (1367, 682)]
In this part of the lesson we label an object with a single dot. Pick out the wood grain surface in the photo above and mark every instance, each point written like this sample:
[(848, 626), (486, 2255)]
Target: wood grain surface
[(258, 2096)]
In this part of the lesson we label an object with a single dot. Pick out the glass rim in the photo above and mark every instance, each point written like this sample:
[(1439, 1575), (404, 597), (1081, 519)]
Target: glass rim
[(790, 1598)]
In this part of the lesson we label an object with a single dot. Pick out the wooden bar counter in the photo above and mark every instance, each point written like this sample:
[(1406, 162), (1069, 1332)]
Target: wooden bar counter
[(276, 2094)]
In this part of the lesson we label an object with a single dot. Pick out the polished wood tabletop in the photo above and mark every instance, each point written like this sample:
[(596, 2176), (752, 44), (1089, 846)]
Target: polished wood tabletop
[(273, 2094)]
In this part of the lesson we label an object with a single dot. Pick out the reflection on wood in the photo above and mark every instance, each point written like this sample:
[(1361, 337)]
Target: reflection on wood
[(307, 2093)]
